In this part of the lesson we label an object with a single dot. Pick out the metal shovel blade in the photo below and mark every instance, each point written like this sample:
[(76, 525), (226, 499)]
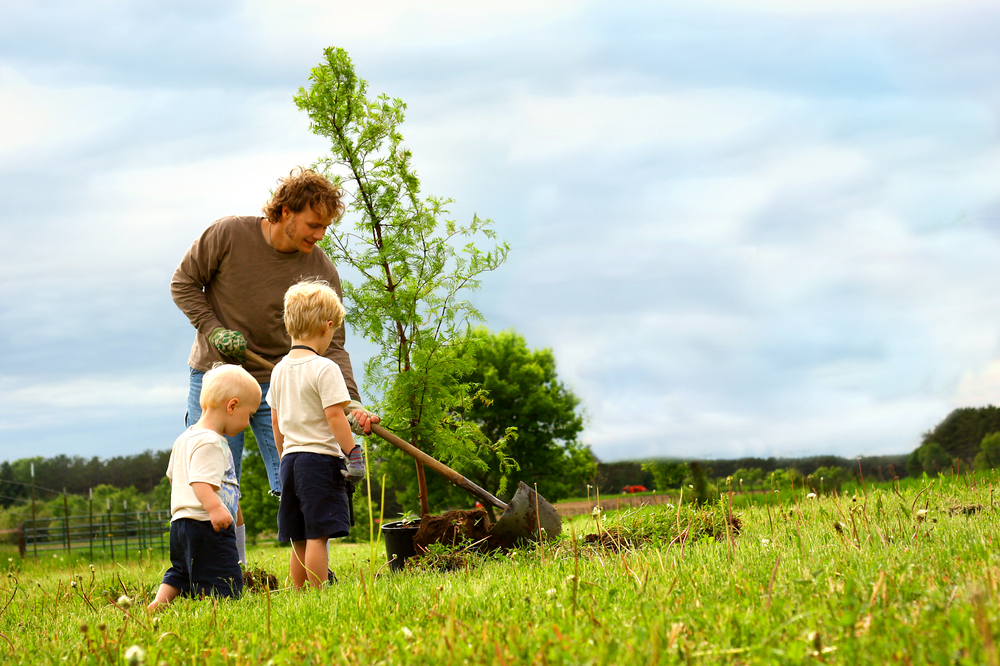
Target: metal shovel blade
[(525, 513)]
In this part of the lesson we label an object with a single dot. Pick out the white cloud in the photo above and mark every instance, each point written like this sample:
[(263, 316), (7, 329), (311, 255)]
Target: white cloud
[(35, 404)]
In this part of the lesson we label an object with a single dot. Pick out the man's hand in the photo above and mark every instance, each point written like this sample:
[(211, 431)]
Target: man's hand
[(229, 343), (361, 420), (220, 518)]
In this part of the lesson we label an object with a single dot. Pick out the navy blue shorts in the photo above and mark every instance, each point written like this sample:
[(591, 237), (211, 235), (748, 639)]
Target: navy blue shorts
[(313, 498), (203, 562)]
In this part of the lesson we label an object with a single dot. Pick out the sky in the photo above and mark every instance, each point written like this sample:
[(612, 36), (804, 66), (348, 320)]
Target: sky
[(754, 228)]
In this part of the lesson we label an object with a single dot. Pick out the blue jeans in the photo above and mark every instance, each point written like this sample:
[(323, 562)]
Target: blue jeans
[(260, 423)]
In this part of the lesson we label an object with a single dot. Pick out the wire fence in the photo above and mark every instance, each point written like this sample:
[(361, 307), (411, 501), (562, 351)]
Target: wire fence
[(114, 536)]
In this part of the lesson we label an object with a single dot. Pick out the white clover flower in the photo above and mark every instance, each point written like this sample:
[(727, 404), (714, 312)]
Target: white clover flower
[(811, 496), (125, 602), (921, 514), (597, 511), (135, 655), (72, 583), (407, 634), (551, 592)]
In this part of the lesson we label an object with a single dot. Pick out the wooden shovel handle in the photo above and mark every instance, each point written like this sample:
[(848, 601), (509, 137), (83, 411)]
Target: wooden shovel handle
[(438, 467), (258, 359)]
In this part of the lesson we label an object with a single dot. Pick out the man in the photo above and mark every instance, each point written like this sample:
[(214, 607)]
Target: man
[(231, 283)]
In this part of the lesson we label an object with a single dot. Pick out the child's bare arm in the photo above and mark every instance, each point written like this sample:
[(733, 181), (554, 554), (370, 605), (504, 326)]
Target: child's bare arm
[(279, 439), (219, 515), (339, 426)]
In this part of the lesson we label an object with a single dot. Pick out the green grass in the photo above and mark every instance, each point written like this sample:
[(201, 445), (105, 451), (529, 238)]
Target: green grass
[(828, 579)]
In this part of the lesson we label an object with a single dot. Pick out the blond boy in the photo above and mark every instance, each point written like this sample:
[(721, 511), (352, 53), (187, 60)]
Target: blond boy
[(205, 493), (313, 435)]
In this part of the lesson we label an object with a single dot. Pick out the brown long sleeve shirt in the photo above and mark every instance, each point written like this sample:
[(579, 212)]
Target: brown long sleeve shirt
[(231, 277)]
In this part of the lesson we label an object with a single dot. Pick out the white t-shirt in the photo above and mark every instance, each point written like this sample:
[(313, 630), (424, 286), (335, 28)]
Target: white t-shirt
[(201, 456), (301, 389)]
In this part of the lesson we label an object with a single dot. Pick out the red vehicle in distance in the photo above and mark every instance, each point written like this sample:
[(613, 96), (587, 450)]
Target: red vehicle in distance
[(634, 489)]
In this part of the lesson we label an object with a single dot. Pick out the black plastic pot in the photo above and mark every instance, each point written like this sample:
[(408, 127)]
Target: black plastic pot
[(399, 542)]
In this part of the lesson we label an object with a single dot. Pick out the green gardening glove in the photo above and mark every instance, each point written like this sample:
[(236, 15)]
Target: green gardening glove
[(230, 343)]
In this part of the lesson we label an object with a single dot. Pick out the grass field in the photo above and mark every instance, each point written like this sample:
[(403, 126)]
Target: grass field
[(890, 575)]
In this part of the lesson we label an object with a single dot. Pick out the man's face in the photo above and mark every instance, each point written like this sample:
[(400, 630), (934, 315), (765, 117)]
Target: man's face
[(302, 230)]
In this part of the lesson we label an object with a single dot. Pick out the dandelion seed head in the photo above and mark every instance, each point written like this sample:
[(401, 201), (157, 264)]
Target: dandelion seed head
[(135, 655)]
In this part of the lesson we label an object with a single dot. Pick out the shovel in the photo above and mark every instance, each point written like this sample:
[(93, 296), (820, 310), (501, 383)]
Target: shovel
[(522, 518)]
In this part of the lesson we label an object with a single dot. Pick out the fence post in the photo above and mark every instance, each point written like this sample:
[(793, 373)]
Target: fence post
[(125, 529), (111, 531), (159, 530), (90, 522), (66, 519), (20, 539), (34, 526)]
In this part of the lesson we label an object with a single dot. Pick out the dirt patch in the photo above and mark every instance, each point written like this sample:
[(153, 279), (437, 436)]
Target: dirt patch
[(453, 529), (611, 540), (258, 579), (965, 509)]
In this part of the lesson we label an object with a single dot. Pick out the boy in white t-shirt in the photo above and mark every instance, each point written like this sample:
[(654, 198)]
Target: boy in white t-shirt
[(205, 493), (313, 434)]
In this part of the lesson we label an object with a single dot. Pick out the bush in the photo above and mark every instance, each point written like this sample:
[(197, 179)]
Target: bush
[(826, 479)]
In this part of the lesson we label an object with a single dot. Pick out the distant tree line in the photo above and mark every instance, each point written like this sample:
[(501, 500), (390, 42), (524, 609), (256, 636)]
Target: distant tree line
[(77, 475), (663, 475), (968, 438)]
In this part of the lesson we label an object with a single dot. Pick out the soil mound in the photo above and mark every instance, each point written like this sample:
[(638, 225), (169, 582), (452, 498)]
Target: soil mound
[(257, 579), (452, 528)]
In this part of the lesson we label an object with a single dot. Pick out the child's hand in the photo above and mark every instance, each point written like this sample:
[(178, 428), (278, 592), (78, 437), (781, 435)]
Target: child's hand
[(220, 518)]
